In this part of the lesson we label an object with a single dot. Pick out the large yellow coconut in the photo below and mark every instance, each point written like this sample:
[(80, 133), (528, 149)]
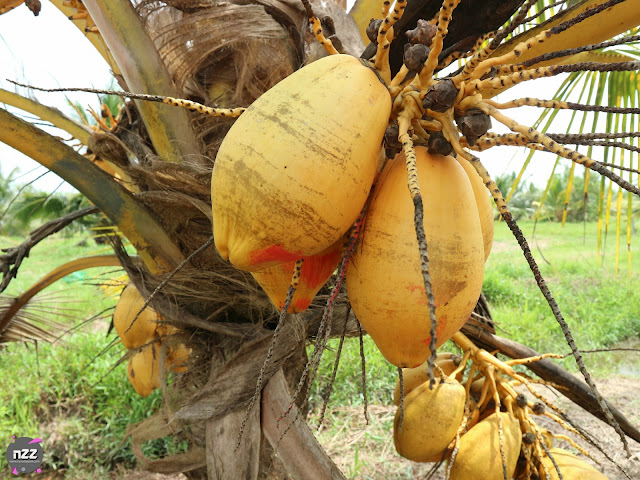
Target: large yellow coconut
[(431, 419), (414, 377), (316, 270), (479, 456), (144, 370), (571, 467), (294, 171), (141, 331), (384, 279)]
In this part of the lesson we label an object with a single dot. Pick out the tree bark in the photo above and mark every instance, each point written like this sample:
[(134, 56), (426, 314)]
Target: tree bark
[(224, 460), (302, 455)]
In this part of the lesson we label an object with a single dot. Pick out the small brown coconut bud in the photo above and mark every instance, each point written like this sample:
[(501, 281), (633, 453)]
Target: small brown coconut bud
[(391, 136), (473, 124), (34, 6), (422, 34), (440, 96), (521, 400), (438, 144), (415, 56), (538, 408), (372, 30), (528, 438), (328, 26)]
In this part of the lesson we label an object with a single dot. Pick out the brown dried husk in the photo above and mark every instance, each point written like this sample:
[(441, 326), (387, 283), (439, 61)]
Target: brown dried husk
[(225, 63), (226, 318)]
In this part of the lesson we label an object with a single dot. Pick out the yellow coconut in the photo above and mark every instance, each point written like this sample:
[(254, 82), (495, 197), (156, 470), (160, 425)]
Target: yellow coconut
[(384, 280), (414, 377), (316, 270), (143, 330), (571, 467), (431, 419), (294, 171), (484, 204), (479, 456), (144, 370)]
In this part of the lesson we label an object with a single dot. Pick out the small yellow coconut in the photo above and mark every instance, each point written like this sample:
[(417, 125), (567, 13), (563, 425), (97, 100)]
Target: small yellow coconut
[(414, 377), (479, 455), (143, 330), (571, 467), (431, 419), (144, 370)]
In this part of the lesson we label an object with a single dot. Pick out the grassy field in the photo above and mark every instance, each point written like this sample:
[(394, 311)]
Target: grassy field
[(73, 397)]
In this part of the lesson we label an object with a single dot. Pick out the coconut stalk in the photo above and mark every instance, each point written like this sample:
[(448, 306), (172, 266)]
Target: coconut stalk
[(575, 390)]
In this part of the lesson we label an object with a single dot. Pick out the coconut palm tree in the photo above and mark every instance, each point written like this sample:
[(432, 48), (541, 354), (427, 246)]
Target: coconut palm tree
[(149, 172)]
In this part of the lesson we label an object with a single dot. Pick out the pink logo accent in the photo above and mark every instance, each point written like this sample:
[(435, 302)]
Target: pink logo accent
[(35, 440)]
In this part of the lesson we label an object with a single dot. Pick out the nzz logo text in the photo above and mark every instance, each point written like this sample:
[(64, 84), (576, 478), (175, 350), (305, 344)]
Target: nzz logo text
[(26, 454)]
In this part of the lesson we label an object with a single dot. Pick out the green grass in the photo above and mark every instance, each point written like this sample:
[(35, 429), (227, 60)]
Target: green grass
[(68, 396), (599, 304), (72, 399)]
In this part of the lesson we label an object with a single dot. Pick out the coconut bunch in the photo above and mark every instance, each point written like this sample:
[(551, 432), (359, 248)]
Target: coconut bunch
[(288, 213), (152, 342), (349, 170), (480, 418)]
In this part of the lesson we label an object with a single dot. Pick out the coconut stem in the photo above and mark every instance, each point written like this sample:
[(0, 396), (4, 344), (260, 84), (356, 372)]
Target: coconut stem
[(295, 280), (325, 401), (401, 406), (363, 364), (418, 221)]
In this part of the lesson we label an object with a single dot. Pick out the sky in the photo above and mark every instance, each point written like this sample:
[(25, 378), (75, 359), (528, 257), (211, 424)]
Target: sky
[(48, 51)]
